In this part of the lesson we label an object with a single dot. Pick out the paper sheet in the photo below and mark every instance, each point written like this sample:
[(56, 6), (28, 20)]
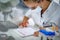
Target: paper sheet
[(26, 31)]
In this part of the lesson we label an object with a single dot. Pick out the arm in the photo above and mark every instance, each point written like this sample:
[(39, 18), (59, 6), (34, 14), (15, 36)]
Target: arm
[(24, 22), (25, 19)]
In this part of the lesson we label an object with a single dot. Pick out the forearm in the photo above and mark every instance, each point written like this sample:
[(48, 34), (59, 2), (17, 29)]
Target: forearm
[(24, 22), (25, 19)]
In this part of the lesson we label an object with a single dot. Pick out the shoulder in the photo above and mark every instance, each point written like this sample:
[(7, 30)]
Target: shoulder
[(29, 12), (57, 11), (57, 5)]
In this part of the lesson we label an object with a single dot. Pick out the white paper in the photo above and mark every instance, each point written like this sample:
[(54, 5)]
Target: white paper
[(26, 31)]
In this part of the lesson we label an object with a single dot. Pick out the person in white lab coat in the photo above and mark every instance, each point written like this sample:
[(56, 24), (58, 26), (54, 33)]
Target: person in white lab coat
[(42, 11)]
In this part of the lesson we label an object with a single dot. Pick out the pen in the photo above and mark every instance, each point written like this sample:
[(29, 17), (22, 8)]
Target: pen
[(45, 25)]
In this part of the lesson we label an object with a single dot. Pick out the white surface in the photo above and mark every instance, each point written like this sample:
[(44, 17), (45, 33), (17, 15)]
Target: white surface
[(18, 36), (31, 22), (26, 31)]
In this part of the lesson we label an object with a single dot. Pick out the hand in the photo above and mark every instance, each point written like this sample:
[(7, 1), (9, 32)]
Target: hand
[(23, 24), (41, 28), (36, 34)]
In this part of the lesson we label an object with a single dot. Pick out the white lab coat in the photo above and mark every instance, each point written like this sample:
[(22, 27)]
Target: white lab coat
[(52, 14), (34, 14)]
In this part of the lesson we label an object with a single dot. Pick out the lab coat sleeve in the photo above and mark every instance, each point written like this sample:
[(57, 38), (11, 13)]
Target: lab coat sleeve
[(28, 13), (56, 20)]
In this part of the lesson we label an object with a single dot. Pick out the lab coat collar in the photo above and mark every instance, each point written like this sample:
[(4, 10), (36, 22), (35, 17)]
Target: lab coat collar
[(37, 9), (52, 7)]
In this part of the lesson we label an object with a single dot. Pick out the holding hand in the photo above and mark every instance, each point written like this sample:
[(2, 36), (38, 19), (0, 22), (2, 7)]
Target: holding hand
[(36, 34), (23, 24)]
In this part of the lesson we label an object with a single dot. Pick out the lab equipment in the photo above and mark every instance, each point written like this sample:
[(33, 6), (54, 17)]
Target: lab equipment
[(6, 8), (5, 37), (7, 4), (45, 26)]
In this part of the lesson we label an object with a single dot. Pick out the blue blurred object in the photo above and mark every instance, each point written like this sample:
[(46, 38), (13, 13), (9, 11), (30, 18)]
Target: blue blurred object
[(47, 33)]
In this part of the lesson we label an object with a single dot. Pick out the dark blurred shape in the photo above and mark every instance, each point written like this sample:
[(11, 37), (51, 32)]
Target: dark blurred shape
[(5, 37), (4, 26), (10, 38), (59, 1), (22, 5)]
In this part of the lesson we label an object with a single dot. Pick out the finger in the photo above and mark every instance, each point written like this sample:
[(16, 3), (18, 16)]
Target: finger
[(36, 34), (20, 24), (25, 24)]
